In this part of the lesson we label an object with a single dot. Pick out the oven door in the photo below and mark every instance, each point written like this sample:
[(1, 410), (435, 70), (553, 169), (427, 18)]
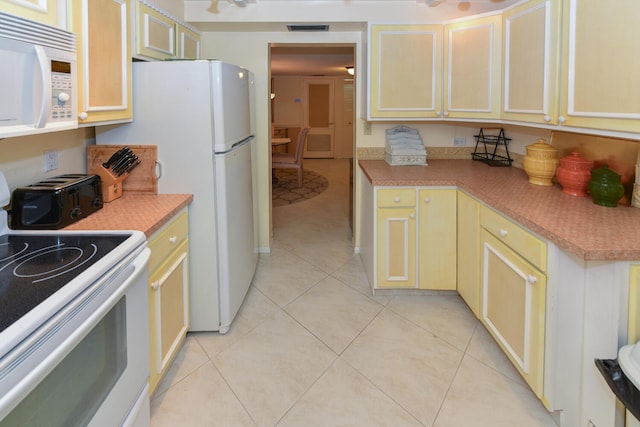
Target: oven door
[(89, 364)]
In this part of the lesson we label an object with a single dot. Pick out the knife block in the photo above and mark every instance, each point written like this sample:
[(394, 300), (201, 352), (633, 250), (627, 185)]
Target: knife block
[(111, 184)]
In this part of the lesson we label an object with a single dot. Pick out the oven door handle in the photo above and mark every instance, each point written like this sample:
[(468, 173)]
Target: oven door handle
[(132, 273)]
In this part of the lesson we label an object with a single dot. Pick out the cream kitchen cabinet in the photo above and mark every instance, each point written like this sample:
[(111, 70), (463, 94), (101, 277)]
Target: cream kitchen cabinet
[(472, 68), (187, 42), (468, 268), (404, 71), (513, 294), (43, 11), (159, 36), (168, 295), (437, 243), (531, 70), (601, 59), (396, 238), (104, 64), (415, 239)]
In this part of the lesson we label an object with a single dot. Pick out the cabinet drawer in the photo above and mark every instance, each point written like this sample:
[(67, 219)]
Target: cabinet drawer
[(527, 245), (396, 197), (167, 239)]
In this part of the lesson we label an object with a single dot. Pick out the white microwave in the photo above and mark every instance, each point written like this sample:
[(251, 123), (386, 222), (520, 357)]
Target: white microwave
[(37, 78)]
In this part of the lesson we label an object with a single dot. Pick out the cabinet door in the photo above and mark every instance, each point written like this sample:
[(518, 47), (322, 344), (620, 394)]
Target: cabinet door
[(405, 71), (396, 247), (472, 64), (437, 239), (601, 60), (188, 43), (469, 251), (531, 43), (43, 11), (168, 311), (155, 33), (513, 308), (104, 64)]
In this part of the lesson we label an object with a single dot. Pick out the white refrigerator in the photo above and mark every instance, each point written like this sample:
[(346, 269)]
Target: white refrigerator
[(198, 113)]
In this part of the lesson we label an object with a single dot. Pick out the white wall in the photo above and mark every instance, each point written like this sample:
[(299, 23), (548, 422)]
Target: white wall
[(21, 158)]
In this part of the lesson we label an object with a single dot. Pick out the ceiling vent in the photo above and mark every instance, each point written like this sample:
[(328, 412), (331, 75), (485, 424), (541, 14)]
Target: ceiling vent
[(309, 27)]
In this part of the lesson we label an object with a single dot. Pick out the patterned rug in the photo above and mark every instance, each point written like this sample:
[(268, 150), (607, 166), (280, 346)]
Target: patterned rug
[(286, 190)]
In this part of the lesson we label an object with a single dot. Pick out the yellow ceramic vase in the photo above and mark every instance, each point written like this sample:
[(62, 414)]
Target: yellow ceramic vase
[(541, 162)]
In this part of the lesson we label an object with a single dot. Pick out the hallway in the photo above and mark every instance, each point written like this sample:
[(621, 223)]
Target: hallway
[(311, 346)]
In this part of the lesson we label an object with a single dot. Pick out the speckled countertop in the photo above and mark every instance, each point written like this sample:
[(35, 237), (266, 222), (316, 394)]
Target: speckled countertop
[(144, 212), (575, 224)]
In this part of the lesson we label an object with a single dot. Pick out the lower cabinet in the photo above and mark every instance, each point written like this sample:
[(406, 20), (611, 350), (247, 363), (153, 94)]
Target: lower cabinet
[(415, 238), (513, 295), (168, 295), (396, 238), (437, 241), (468, 268)]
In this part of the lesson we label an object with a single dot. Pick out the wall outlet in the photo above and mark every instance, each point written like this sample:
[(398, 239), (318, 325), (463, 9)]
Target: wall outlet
[(459, 141), (50, 160), (367, 128)]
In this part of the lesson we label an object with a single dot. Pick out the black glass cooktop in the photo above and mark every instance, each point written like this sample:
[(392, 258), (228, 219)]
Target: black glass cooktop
[(34, 267)]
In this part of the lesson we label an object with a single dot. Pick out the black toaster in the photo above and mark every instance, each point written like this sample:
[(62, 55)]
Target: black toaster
[(56, 202)]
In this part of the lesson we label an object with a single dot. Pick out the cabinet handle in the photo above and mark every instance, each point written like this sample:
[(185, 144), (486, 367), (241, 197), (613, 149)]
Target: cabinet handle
[(412, 215), (427, 199), (155, 285), (547, 118), (396, 199), (503, 232), (446, 113), (562, 119), (438, 113), (83, 115), (531, 279), (173, 239)]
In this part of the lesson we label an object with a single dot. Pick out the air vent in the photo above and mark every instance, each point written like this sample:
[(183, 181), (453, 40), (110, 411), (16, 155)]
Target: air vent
[(313, 27)]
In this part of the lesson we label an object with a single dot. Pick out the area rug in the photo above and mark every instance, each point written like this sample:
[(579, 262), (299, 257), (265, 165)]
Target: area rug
[(286, 191)]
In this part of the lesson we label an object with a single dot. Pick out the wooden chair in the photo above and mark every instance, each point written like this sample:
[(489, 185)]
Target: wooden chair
[(291, 160)]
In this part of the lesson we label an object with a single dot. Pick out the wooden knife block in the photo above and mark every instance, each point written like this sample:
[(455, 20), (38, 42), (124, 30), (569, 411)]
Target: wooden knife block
[(111, 184)]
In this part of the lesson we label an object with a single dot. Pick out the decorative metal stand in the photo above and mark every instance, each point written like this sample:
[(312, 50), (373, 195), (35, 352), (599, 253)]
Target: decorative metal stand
[(487, 142)]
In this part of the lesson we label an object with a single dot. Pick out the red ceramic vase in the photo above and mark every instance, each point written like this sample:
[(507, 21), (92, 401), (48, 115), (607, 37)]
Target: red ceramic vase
[(574, 174)]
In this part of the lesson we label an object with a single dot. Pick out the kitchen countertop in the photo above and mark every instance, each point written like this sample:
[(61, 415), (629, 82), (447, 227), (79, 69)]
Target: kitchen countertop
[(575, 224), (144, 212)]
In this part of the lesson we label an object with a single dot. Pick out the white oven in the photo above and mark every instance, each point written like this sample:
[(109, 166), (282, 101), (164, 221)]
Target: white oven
[(74, 337)]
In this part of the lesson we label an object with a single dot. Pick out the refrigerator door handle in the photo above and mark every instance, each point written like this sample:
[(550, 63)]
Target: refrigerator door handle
[(158, 169)]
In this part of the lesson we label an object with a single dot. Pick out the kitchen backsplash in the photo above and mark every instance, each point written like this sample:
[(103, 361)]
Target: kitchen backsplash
[(22, 158)]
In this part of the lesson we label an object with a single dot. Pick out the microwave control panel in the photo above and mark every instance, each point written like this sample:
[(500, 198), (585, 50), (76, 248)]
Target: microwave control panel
[(61, 90)]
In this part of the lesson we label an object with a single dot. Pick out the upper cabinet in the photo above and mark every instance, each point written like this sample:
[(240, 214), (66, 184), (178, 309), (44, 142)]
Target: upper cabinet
[(159, 36), (405, 63), (104, 64), (472, 64), (187, 42), (44, 11), (530, 72), (601, 63)]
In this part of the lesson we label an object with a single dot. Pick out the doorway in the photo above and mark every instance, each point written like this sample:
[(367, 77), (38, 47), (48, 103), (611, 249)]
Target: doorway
[(311, 85)]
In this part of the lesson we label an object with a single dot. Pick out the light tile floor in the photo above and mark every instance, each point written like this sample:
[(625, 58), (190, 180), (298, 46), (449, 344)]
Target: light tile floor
[(312, 347)]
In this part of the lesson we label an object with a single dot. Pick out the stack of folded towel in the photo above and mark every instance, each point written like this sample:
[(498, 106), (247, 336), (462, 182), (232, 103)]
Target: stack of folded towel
[(404, 147)]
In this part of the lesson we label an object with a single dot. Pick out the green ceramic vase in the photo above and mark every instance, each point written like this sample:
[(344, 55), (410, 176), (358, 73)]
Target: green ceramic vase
[(605, 187)]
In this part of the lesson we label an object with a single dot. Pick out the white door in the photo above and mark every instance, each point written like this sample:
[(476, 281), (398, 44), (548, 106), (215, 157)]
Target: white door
[(318, 115), (347, 115)]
